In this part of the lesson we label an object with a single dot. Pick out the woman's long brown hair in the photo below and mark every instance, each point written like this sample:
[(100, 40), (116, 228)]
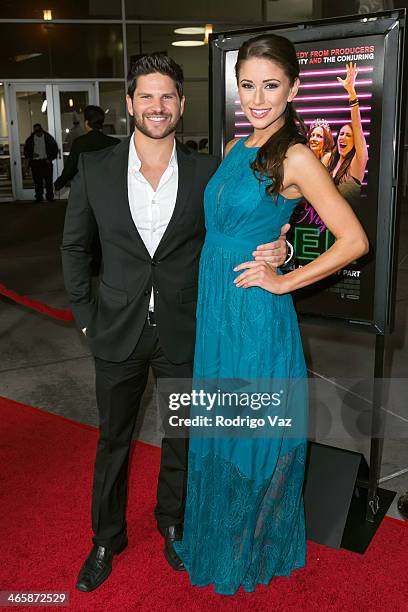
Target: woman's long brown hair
[(268, 163)]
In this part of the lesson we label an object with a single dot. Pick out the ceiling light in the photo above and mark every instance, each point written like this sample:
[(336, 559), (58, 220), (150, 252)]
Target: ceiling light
[(188, 43), (47, 15), (189, 31), (44, 107), (70, 102), (26, 56), (1, 84)]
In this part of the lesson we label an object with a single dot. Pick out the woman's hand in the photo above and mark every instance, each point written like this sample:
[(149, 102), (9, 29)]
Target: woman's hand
[(260, 274), (350, 80)]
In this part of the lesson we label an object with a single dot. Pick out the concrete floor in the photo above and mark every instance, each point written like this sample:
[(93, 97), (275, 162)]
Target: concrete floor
[(47, 364)]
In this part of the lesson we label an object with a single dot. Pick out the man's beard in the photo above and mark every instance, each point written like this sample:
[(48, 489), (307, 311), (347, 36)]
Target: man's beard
[(172, 126)]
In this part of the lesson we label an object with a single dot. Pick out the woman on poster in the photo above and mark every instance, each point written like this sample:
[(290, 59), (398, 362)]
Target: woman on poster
[(320, 140), (350, 155)]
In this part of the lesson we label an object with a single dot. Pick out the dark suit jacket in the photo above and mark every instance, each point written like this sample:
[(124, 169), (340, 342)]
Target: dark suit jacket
[(51, 147), (95, 140), (98, 202)]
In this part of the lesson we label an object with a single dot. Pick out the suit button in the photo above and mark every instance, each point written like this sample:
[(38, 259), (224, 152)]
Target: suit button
[(154, 262), (147, 292)]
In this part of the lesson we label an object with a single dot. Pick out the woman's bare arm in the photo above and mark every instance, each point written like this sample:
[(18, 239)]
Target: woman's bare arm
[(305, 173), (316, 187)]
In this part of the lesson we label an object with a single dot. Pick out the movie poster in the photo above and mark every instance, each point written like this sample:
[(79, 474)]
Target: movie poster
[(324, 105)]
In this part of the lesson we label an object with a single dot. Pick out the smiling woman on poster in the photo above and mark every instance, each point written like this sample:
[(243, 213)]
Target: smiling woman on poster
[(244, 517), (320, 140), (350, 155)]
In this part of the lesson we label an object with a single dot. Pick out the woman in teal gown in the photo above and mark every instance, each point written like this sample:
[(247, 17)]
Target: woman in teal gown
[(244, 517)]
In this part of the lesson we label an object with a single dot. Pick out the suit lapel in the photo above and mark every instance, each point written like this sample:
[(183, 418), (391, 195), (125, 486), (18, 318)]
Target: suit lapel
[(120, 187), (186, 170)]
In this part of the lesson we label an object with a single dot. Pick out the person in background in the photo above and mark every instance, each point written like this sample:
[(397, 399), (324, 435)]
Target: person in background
[(320, 140), (93, 140), (73, 133), (41, 149)]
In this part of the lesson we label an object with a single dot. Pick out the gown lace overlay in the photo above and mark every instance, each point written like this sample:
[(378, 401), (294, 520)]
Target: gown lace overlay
[(244, 516)]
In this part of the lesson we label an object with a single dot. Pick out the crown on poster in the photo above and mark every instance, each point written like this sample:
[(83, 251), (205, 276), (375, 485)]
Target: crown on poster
[(320, 123)]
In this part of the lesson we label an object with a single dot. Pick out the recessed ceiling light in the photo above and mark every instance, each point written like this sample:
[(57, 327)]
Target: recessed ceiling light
[(26, 56), (189, 31), (188, 43)]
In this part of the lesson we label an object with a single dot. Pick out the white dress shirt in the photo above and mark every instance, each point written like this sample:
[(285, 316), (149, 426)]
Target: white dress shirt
[(151, 210)]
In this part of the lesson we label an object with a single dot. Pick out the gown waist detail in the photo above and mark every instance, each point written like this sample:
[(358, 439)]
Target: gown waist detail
[(218, 239)]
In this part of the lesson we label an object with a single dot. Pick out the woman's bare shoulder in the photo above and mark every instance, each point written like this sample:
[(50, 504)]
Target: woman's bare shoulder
[(299, 156), (326, 159), (299, 153), (229, 146)]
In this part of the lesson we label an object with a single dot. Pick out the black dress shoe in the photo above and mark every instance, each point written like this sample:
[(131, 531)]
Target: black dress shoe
[(172, 534), (97, 567)]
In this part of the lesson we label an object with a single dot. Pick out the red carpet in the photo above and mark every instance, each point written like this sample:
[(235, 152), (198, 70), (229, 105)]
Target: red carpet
[(45, 483)]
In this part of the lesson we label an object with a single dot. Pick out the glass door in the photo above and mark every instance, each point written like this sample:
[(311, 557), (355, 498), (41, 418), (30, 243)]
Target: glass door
[(70, 100), (29, 104), (57, 108)]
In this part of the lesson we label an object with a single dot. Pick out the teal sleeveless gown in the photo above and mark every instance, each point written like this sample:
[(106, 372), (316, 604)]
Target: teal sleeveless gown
[(244, 515)]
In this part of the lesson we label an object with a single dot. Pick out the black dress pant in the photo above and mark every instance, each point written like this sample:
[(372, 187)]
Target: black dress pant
[(42, 173), (119, 388)]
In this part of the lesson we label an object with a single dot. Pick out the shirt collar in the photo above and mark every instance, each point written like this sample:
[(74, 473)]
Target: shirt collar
[(135, 163)]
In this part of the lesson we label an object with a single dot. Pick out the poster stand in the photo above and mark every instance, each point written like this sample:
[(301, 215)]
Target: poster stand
[(377, 436), (345, 511)]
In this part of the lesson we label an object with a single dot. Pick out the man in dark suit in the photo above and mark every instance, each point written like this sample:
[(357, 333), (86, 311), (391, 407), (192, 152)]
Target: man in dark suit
[(145, 199), (93, 140), (41, 149)]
